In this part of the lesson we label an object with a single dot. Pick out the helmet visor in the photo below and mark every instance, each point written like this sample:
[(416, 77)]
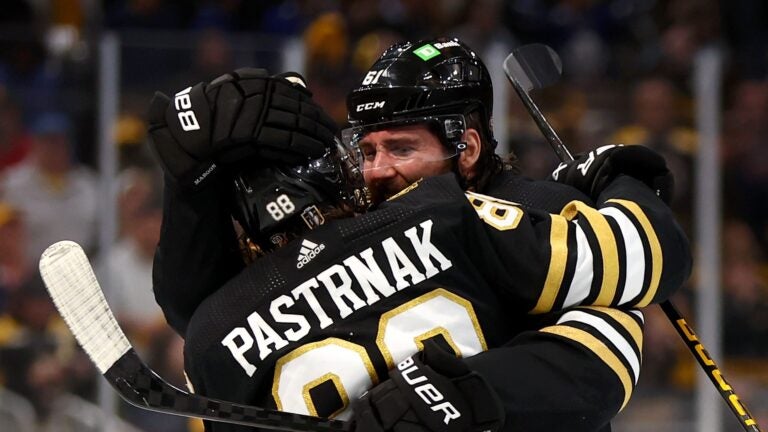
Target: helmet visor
[(407, 148)]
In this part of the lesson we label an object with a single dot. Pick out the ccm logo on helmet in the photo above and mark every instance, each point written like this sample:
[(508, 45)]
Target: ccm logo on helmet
[(370, 106), (427, 391)]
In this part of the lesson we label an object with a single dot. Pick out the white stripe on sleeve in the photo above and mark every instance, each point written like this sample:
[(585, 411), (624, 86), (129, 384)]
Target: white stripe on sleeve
[(584, 273), (633, 246), (609, 332)]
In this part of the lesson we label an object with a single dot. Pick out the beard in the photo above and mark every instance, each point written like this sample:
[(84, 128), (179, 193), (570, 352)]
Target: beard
[(383, 190)]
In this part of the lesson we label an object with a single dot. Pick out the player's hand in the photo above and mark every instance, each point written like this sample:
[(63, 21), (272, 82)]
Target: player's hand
[(593, 171), (432, 391), (242, 115)]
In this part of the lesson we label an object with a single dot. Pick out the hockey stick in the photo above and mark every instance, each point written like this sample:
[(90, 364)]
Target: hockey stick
[(78, 297), (535, 66)]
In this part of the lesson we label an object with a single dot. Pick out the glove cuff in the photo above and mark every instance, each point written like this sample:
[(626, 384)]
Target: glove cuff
[(445, 394), (433, 397), (487, 410)]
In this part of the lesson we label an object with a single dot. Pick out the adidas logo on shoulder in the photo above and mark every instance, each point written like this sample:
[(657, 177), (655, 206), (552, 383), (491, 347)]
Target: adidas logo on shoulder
[(308, 251)]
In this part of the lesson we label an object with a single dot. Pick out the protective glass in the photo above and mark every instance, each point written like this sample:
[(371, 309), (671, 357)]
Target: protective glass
[(448, 128)]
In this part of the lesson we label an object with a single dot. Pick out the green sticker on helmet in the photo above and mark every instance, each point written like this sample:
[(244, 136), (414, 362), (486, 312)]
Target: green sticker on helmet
[(426, 52)]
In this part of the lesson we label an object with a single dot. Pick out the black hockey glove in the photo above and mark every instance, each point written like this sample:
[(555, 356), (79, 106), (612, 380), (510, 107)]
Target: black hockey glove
[(592, 172), (239, 115), (432, 391)]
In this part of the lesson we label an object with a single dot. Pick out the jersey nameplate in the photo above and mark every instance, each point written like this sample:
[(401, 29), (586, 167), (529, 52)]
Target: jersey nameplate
[(357, 282)]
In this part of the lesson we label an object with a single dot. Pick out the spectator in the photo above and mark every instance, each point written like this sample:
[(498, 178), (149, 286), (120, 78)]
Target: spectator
[(747, 37), (657, 123), (126, 273), (129, 134), (15, 268), (213, 56), (166, 357), (482, 27), (16, 413), (692, 24), (26, 68), (15, 141), (746, 156), (327, 62), (31, 316), (56, 195), (228, 15), (41, 378), (31, 324), (369, 46), (144, 14), (291, 17), (745, 327)]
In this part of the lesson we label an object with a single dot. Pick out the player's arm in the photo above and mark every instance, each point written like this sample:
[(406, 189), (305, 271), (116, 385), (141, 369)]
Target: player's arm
[(199, 137), (577, 373), (196, 254), (573, 375), (602, 346), (627, 250)]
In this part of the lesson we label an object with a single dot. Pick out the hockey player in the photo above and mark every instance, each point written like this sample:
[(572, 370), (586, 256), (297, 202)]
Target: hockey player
[(444, 79), (242, 340)]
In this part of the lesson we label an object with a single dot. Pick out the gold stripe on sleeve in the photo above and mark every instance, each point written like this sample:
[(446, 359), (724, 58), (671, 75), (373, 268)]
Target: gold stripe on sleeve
[(558, 257), (608, 248), (657, 257), (601, 350)]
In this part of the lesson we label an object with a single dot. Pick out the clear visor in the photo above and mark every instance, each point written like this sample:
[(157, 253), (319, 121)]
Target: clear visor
[(406, 144)]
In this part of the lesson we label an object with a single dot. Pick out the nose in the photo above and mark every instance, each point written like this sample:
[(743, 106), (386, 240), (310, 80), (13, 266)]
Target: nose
[(382, 167)]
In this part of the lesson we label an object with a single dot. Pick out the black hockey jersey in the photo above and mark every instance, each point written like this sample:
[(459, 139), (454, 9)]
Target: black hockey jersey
[(571, 371), (311, 326)]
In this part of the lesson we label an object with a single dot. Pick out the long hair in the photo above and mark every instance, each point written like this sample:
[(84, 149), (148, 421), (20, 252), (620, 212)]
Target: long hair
[(489, 164)]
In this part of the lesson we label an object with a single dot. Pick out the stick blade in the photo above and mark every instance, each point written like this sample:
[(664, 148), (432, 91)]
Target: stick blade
[(534, 66), (73, 287)]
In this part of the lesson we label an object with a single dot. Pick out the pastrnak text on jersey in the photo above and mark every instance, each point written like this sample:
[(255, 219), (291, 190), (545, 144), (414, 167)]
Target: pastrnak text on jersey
[(353, 284)]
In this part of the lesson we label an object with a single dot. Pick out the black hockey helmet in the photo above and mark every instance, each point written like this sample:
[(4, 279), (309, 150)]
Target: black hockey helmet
[(275, 203), (419, 81)]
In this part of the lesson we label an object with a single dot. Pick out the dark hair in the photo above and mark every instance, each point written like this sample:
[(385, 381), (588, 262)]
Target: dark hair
[(275, 204), (489, 164)]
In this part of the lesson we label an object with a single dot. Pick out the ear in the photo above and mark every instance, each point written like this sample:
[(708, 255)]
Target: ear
[(469, 157)]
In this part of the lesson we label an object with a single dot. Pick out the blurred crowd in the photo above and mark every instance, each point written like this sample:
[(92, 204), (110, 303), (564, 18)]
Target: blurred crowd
[(628, 67)]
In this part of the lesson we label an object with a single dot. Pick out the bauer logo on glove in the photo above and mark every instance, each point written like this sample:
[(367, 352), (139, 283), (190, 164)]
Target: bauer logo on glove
[(245, 117), (431, 391), (183, 105), (427, 391)]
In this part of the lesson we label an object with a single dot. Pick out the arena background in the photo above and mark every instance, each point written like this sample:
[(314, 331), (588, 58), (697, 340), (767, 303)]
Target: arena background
[(686, 77)]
